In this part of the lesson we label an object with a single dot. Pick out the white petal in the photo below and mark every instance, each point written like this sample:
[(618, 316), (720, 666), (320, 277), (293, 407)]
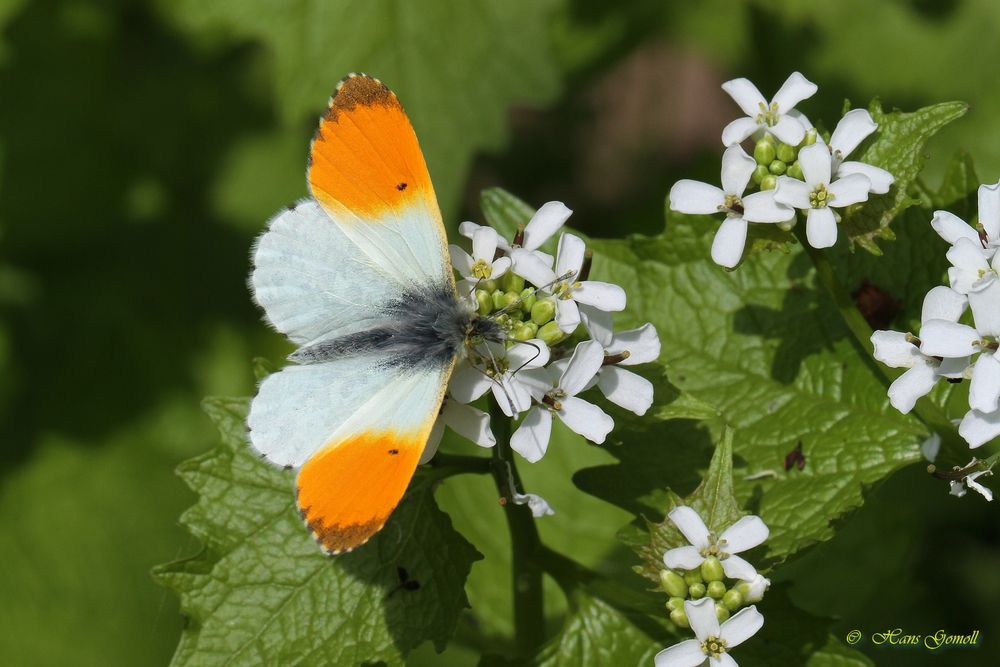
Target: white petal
[(567, 315), (910, 386), (806, 123), (943, 303), (599, 323), (531, 439), (968, 254), (686, 654), (701, 616), (746, 95), (795, 89), (738, 130), (729, 242), (695, 197), (468, 229), (626, 389), (583, 365), (951, 228), (737, 568), (984, 391), (957, 488), (815, 161), (742, 626), (954, 367), (538, 506), (605, 296), (683, 558), (642, 344), (469, 423), (788, 130), (512, 396), (762, 207), (747, 533), (433, 441), (569, 256), (758, 587), (724, 660), (544, 223), (893, 350), (852, 129), (821, 227), (792, 192), (468, 383), (850, 189), (977, 487), (989, 209), (484, 243), (461, 260), (737, 167), (532, 268), (879, 179), (690, 524), (500, 267), (986, 309), (931, 446), (585, 418), (940, 338), (532, 353), (978, 428)]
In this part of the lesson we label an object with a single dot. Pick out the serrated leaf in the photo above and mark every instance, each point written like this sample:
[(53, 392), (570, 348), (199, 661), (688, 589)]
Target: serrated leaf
[(899, 149), (261, 592), (457, 67)]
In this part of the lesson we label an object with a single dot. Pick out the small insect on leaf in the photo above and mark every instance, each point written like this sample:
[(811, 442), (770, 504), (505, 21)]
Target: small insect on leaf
[(795, 458)]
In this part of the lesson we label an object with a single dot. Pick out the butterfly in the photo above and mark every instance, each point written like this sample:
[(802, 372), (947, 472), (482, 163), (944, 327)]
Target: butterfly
[(359, 277)]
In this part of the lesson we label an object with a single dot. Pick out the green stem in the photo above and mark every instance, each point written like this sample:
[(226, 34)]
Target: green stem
[(952, 444), (446, 465), (529, 610)]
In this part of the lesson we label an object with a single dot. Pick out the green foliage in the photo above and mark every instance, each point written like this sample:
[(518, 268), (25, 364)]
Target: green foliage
[(262, 591)]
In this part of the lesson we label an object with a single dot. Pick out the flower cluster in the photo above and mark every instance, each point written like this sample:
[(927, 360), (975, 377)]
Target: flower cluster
[(699, 596), (946, 346), (793, 168), (557, 340)]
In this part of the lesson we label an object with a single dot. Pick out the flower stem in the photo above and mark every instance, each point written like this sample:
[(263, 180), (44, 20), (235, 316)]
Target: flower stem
[(446, 465), (925, 410), (529, 610)]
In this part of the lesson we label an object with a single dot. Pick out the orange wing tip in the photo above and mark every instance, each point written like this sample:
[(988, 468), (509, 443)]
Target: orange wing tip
[(356, 90), (337, 540)]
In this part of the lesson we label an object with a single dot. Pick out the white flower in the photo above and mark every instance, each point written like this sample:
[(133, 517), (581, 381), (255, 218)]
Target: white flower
[(745, 534), (899, 350), (480, 265), (951, 228), (629, 348), (753, 591), (504, 372), (687, 196), (467, 421), (957, 488), (978, 427), (818, 195), (563, 283), (712, 641), (971, 271), (852, 129), (770, 116), (558, 396), (538, 506)]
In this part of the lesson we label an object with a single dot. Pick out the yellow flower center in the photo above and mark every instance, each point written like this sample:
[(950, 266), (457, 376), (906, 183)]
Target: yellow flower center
[(820, 197), (714, 647), (768, 115), (482, 270)]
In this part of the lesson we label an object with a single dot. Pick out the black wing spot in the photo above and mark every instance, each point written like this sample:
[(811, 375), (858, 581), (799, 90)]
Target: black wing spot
[(393, 452), (401, 187)]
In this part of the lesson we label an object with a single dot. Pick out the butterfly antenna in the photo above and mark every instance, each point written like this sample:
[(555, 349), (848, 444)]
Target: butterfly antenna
[(498, 374), (538, 353)]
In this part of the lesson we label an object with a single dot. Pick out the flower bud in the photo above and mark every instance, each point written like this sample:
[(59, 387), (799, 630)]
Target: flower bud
[(543, 311), (711, 569), (764, 152), (795, 171), (679, 618), (786, 153), (732, 600), (696, 591), (787, 225), (675, 603), (759, 172), (753, 591), (692, 577), (511, 282), (716, 589), (721, 612), (522, 332), (769, 182), (777, 167), (489, 285), (810, 137), (503, 299), (484, 301), (550, 333), (673, 583), (528, 299)]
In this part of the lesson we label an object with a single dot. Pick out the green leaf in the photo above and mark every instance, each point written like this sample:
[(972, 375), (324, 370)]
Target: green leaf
[(899, 149), (457, 67), (262, 592)]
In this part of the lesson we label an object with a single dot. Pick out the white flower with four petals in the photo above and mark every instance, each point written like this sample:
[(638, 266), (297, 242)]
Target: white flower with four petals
[(713, 640), (767, 116), (743, 535)]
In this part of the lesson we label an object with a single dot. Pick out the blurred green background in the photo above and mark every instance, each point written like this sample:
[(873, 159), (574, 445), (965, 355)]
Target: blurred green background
[(144, 145)]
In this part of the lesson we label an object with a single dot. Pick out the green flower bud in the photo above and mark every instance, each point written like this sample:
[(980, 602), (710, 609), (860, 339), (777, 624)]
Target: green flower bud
[(795, 171), (679, 618), (786, 153), (673, 583), (550, 333), (732, 600), (534, 328), (503, 299), (489, 285), (543, 311), (777, 167), (759, 173), (810, 137), (716, 589), (769, 182), (721, 612), (675, 603), (485, 302), (511, 282), (711, 570), (696, 591), (769, 137), (764, 152), (787, 225), (692, 577), (528, 299), (522, 332)]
